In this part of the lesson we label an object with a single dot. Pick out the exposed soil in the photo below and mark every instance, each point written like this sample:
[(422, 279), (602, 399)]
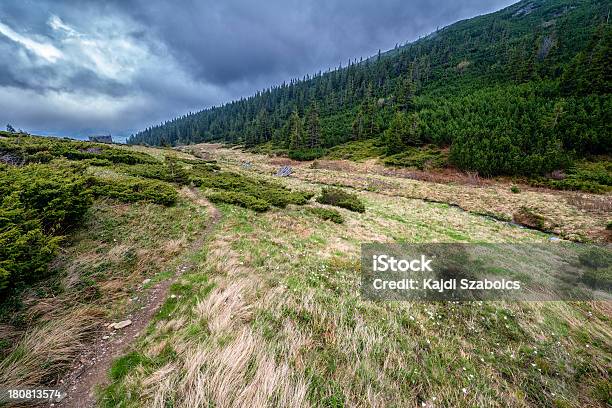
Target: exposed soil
[(92, 367)]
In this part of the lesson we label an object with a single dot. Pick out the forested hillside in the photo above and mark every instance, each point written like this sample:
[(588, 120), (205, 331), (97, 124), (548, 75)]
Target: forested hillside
[(523, 91)]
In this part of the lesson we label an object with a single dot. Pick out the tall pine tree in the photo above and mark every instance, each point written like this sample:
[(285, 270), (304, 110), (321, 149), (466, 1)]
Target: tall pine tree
[(312, 128), (296, 139)]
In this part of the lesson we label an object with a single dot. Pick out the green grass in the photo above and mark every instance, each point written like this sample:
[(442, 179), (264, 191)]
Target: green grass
[(299, 290), (271, 307)]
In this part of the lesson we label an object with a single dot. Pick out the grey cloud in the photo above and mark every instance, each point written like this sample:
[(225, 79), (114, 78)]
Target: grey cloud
[(128, 64)]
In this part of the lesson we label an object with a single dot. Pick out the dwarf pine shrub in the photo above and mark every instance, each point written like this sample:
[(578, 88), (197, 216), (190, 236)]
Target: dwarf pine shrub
[(39, 204), (327, 214), (133, 190), (340, 198), (240, 199)]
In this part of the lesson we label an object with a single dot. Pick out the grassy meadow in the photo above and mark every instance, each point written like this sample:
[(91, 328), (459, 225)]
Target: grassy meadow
[(268, 312), (274, 318)]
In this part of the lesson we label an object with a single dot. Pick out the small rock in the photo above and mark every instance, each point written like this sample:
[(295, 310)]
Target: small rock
[(144, 282), (121, 325), (105, 337)]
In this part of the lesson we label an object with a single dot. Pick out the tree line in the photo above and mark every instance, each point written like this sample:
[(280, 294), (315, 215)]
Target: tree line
[(536, 84)]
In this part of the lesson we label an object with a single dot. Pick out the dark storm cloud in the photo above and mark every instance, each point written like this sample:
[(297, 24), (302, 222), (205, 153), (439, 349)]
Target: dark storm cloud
[(90, 66)]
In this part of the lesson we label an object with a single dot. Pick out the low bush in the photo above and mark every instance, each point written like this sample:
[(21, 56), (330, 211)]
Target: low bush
[(359, 150), (171, 171), (591, 177), (515, 189), (306, 154), (327, 214), (422, 158), (39, 204), (99, 162), (25, 250), (573, 184), (33, 149), (56, 195), (340, 198), (133, 190), (195, 162), (240, 199), (271, 193)]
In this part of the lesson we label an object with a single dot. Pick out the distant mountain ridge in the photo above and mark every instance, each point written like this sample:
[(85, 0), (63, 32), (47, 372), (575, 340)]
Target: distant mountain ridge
[(533, 78)]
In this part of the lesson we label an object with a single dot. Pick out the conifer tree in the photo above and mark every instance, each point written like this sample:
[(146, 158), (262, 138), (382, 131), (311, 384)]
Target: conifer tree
[(313, 127), (364, 125), (296, 140), (395, 133), (404, 94)]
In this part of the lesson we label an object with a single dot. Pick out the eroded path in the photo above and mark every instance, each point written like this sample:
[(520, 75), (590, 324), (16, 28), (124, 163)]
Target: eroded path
[(92, 367)]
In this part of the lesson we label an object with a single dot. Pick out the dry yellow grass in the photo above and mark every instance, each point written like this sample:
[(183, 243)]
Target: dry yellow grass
[(270, 314), (98, 273), (576, 216), (49, 348), (284, 324)]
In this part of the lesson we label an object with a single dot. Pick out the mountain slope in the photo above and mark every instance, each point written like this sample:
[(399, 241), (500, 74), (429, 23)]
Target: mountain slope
[(524, 90)]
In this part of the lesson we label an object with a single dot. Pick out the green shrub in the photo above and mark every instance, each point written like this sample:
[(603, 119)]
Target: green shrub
[(133, 190), (171, 171), (43, 199), (39, 204), (358, 150), (340, 198), (306, 154), (40, 157), (204, 167), (25, 250), (175, 171), (272, 193), (422, 158), (56, 195), (571, 183), (589, 176), (609, 226), (327, 214), (515, 189), (99, 162), (240, 199), (195, 162), (35, 149), (599, 172)]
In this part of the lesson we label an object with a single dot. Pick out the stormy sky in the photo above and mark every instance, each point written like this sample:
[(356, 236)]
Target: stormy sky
[(75, 68)]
